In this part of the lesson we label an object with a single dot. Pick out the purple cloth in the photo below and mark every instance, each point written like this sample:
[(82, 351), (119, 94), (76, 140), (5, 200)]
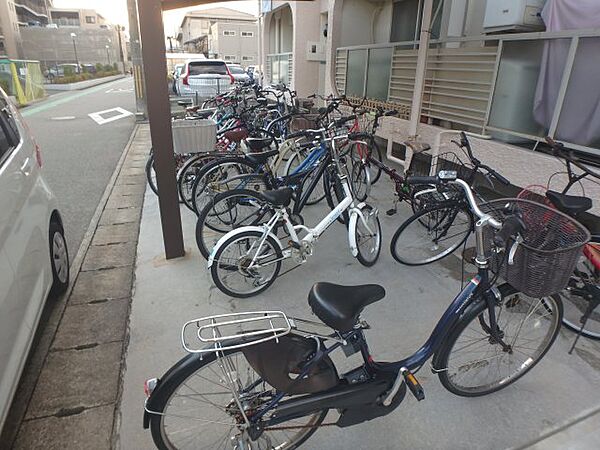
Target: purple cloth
[(580, 116)]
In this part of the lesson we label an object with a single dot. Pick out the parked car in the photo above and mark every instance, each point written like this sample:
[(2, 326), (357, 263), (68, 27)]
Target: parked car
[(204, 78), (59, 70), (238, 72), (34, 261)]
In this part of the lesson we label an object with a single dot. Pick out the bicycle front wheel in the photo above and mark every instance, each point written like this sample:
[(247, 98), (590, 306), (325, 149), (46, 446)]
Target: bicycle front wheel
[(472, 363), (368, 237), (244, 266), (431, 234), (197, 408), (187, 175)]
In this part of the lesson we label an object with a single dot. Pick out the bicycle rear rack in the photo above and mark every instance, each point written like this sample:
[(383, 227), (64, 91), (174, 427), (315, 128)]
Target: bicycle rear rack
[(235, 330)]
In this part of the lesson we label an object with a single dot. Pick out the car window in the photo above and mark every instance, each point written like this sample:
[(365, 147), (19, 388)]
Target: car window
[(236, 70), (207, 68), (9, 134)]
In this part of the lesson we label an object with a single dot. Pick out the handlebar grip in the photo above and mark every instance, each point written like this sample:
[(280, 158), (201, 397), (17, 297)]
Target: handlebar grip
[(422, 180), (511, 226), (358, 136)]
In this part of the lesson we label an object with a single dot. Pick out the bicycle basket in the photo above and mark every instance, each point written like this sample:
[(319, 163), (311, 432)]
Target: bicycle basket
[(545, 259), (444, 161), (305, 122)]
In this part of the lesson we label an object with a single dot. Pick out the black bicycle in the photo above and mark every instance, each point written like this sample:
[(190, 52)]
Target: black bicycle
[(263, 380)]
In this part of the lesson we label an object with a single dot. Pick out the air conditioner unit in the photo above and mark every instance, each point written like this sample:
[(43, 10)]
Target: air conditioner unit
[(513, 15)]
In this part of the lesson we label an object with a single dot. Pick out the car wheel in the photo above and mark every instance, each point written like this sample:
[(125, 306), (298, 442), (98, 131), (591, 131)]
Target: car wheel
[(59, 260)]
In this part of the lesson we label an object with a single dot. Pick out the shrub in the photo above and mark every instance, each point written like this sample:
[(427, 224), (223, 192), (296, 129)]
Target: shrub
[(5, 86), (68, 70), (107, 68), (99, 67), (115, 67)]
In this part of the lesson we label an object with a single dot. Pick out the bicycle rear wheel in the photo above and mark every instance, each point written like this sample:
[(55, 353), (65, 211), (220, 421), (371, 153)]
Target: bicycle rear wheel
[(359, 152), (575, 303), (187, 175), (431, 234), (228, 211), (196, 408), (471, 363)]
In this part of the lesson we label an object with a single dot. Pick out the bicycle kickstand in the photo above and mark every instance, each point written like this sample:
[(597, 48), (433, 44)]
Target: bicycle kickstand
[(593, 304)]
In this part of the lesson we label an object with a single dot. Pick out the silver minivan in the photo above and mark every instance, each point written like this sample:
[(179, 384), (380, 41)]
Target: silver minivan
[(34, 262), (204, 78)]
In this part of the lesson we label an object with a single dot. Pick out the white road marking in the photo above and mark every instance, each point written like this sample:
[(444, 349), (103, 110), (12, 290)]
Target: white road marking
[(112, 90), (63, 118), (120, 114)]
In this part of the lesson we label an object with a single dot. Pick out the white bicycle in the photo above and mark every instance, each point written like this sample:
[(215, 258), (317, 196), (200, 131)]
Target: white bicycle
[(247, 260)]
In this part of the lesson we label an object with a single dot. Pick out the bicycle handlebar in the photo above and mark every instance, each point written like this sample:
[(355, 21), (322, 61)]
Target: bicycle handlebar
[(558, 149), (512, 226)]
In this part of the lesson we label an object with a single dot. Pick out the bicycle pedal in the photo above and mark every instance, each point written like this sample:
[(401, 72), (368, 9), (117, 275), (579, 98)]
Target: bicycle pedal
[(413, 384), (391, 212)]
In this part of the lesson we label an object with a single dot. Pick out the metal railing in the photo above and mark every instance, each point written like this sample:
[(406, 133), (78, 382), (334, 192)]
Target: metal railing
[(482, 83), (280, 68)]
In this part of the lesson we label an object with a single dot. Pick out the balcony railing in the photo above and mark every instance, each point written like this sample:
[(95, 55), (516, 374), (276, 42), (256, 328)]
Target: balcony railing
[(280, 68), (515, 86)]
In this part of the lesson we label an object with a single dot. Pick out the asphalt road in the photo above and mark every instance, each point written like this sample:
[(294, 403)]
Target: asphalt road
[(79, 155)]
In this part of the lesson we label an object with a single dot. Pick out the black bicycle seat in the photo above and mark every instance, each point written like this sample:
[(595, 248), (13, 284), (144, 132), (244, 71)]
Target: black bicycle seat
[(258, 144), (339, 306), (569, 204), (262, 157), (279, 197)]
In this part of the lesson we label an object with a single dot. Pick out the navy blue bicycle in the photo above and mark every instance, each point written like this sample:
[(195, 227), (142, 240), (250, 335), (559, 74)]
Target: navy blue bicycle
[(263, 380)]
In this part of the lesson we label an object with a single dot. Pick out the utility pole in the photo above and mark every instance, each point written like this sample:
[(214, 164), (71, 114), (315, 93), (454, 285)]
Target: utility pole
[(73, 36), (121, 53), (136, 61)]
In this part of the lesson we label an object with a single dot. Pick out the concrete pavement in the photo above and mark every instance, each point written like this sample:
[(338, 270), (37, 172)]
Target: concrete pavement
[(168, 293)]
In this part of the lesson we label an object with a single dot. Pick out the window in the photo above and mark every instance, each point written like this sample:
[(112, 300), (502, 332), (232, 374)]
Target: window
[(406, 20), (228, 32), (229, 57), (9, 135), (247, 58), (207, 68), (90, 19), (247, 33)]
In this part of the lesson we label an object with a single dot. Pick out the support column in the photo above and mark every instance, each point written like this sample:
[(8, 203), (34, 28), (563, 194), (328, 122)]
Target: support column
[(136, 61), (159, 114)]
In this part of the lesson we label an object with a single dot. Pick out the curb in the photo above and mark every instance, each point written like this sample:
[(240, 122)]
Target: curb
[(82, 84), (42, 344)]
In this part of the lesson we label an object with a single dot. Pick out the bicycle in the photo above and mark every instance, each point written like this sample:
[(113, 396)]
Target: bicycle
[(254, 254), (265, 380), (581, 297)]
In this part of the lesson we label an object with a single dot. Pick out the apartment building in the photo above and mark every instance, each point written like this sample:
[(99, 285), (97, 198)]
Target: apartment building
[(16, 14), (220, 33), (493, 70)]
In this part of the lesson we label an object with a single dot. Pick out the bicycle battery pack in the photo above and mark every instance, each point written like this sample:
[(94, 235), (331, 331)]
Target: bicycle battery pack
[(279, 363)]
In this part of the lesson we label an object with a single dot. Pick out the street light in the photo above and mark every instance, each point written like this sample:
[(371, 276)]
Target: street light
[(108, 54), (73, 36)]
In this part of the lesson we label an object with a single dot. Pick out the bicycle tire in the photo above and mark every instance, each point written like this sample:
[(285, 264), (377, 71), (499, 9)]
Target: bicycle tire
[(187, 175), (205, 216), (187, 369), (232, 240), (423, 227), (150, 175), (447, 374), (334, 193), (374, 152), (201, 181), (362, 258)]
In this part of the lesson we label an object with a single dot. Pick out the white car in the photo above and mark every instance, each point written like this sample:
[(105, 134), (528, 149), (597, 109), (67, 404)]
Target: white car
[(238, 73), (34, 262), (204, 78)]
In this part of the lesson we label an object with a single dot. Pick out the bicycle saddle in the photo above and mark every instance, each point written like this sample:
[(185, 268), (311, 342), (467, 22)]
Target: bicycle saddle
[(339, 306), (257, 144), (236, 135), (279, 197), (569, 204), (262, 157)]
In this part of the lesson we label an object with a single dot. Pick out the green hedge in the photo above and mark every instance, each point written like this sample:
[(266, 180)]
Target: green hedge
[(74, 78)]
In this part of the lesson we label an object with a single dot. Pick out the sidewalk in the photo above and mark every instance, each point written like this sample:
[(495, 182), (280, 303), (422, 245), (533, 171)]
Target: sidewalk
[(73, 404), (168, 293)]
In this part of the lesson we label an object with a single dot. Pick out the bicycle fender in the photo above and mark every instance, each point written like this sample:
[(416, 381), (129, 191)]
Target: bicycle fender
[(234, 233), (352, 230)]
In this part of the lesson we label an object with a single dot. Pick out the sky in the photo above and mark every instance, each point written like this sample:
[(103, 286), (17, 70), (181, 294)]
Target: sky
[(115, 11)]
